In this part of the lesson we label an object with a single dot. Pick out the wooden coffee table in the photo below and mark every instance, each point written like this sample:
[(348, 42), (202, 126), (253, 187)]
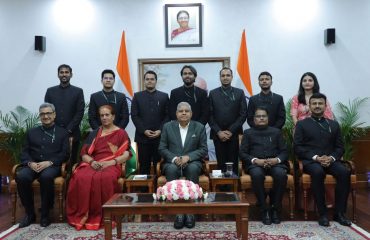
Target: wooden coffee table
[(143, 203), (148, 182)]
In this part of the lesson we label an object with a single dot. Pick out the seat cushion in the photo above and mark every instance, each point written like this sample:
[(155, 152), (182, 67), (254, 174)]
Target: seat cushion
[(329, 179), (58, 182), (246, 182)]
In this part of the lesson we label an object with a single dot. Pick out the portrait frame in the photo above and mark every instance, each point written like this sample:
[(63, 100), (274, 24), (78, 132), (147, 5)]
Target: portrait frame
[(168, 71), (192, 36)]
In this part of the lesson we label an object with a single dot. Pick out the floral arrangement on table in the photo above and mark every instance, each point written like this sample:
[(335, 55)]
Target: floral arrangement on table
[(179, 189)]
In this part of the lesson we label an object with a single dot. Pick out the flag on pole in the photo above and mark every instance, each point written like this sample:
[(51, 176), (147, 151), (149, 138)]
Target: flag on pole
[(122, 66), (243, 65)]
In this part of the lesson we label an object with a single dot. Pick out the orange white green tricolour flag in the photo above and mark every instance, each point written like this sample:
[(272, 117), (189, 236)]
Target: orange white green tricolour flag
[(243, 65), (122, 66)]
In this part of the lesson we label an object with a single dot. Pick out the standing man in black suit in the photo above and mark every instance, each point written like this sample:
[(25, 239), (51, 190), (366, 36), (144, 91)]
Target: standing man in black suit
[(228, 111), (263, 152), (69, 105), (183, 146), (43, 152), (319, 144), (149, 110), (195, 96), (108, 96), (272, 101)]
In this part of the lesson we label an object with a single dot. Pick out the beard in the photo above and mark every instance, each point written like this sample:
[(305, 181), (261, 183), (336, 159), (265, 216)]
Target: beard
[(189, 82)]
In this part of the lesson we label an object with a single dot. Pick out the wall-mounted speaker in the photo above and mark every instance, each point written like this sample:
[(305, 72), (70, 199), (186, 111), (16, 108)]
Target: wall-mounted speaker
[(40, 43), (329, 36)]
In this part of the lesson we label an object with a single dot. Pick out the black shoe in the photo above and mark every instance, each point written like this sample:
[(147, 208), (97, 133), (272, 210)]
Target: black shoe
[(44, 222), (339, 217), (189, 221), (275, 217), (324, 221), (179, 221), (266, 219), (27, 220)]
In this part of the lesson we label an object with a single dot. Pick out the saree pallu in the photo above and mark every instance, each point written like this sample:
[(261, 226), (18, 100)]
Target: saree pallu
[(88, 188)]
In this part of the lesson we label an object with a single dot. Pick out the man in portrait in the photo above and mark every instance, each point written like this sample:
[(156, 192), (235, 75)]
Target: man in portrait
[(318, 143), (228, 111), (183, 146), (43, 152), (149, 110), (272, 101), (69, 105), (111, 97), (195, 96)]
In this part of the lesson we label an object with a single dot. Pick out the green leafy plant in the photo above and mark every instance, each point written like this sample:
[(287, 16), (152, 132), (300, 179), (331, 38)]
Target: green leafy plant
[(288, 130), (13, 128), (351, 127)]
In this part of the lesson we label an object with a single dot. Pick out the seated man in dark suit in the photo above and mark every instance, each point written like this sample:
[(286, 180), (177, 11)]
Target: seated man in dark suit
[(44, 151), (183, 146), (318, 143), (264, 152)]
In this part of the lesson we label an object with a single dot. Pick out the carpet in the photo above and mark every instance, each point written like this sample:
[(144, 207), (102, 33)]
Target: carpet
[(203, 230)]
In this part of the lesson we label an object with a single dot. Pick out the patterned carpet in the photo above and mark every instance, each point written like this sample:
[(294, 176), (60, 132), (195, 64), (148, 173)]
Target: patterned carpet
[(203, 230)]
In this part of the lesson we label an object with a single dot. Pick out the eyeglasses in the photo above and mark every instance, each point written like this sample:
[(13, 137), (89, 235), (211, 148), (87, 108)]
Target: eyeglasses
[(260, 116), (43, 114)]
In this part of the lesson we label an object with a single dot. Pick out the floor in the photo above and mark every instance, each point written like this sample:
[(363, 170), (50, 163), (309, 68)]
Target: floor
[(363, 210)]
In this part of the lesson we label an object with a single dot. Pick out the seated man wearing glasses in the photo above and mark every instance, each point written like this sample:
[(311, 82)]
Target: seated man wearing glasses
[(183, 146), (111, 97), (44, 150), (263, 152)]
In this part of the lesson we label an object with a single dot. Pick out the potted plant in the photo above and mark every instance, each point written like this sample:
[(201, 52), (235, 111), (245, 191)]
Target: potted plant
[(13, 128), (351, 127), (288, 130)]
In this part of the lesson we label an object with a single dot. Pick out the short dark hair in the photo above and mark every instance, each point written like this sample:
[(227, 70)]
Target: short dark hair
[(182, 11), (151, 72), (265, 73), (107, 71), (64, 66), (317, 95), (110, 107), (226, 68), (192, 69), (261, 108)]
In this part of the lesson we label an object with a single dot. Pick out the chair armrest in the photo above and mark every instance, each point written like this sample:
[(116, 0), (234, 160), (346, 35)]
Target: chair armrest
[(159, 167), (350, 165), (64, 170), (205, 168), (14, 170), (123, 172)]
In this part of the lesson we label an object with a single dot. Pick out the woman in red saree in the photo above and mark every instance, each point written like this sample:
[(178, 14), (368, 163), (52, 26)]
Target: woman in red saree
[(94, 181)]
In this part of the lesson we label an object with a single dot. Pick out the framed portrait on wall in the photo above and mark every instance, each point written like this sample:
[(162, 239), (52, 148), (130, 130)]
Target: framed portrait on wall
[(183, 25)]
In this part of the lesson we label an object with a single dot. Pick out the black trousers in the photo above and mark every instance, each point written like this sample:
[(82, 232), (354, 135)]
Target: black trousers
[(279, 175), (343, 177), (227, 152), (191, 172), (148, 153), (24, 178)]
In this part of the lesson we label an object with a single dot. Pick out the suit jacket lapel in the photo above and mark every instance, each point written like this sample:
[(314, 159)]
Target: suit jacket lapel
[(176, 132), (189, 134)]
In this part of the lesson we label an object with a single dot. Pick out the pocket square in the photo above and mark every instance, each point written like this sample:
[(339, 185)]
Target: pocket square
[(193, 136)]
